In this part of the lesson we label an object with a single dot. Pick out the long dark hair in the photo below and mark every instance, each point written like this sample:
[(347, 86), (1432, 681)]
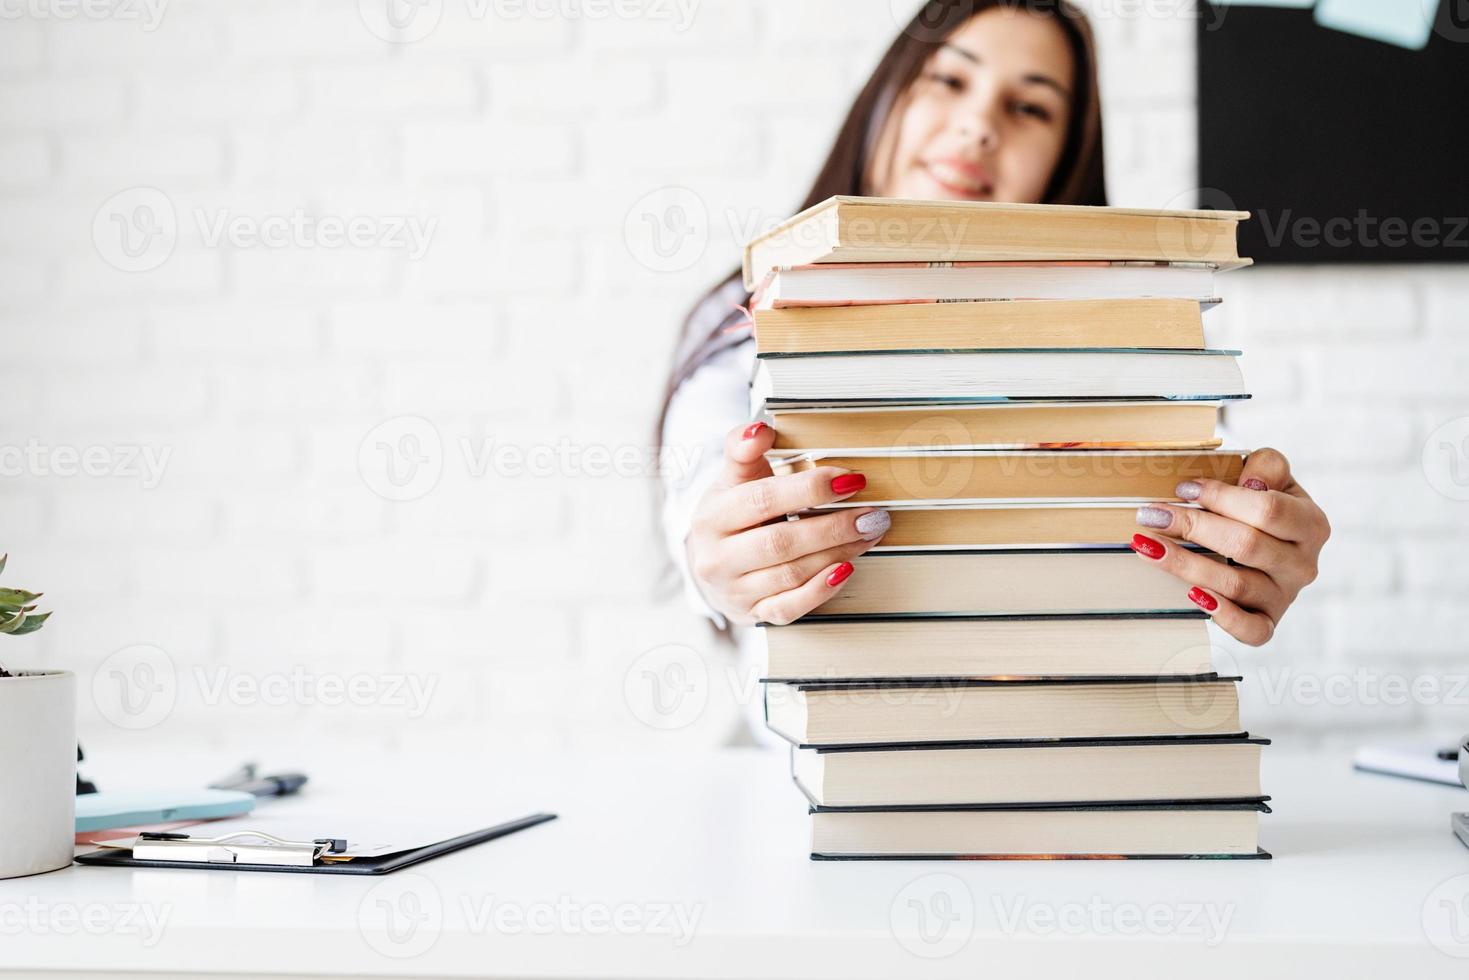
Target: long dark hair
[(1076, 180)]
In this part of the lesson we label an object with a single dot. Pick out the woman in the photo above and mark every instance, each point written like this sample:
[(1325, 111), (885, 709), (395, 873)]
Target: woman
[(984, 101)]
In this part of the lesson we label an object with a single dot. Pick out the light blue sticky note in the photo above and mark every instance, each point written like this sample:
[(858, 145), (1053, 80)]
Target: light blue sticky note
[(1406, 23), (133, 808)]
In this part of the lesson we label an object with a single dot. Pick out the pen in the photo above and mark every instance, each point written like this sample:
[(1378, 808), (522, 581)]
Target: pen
[(282, 784)]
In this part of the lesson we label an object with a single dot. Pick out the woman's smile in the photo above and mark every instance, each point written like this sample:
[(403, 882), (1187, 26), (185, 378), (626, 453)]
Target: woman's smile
[(958, 178)]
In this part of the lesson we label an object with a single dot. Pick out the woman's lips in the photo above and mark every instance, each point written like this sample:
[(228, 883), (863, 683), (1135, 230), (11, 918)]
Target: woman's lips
[(959, 178)]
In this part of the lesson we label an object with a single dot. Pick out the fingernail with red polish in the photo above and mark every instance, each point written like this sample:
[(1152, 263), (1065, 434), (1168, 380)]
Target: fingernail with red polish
[(1154, 517), (848, 483), (1188, 490), (1255, 484), (754, 430), (1203, 599), (1147, 547), (839, 574)]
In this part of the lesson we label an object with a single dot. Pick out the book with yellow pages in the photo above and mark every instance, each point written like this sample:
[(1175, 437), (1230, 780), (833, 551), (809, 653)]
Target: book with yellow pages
[(852, 284), (1099, 424), (1091, 831), (992, 325), (1115, 770), (892, 712), (1034, 474), (875, 229), (1035, 646)]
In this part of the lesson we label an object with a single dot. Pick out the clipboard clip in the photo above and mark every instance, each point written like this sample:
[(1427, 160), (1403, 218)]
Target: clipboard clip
[(241, 847)]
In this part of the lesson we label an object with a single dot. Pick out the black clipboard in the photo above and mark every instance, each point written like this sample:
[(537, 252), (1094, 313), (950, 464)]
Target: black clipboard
[(385, 864)]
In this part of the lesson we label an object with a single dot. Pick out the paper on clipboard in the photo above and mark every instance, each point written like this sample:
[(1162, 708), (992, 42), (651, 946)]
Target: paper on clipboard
[(367, 835)]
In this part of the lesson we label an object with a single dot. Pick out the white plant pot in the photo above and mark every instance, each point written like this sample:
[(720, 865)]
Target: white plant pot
[(38, 753)]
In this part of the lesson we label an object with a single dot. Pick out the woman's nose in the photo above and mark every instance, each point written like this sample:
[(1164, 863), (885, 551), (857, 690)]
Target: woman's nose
[(979, 122)]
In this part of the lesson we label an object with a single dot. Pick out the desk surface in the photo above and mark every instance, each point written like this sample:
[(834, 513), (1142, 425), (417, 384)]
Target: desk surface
[(695, 866)]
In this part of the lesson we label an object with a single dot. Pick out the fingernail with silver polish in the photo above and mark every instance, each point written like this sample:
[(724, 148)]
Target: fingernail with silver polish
[(1154, 517), (1188, 490), (874, 524)]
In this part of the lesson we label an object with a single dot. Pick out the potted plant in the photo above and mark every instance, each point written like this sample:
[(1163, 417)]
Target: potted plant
[(38, 763)]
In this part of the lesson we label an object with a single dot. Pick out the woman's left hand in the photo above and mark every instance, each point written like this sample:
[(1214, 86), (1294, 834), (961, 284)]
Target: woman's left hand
[(1267, 523)]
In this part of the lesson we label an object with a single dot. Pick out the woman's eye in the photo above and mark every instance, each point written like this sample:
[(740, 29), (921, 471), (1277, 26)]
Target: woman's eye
[(1031, 109), (952, 82)]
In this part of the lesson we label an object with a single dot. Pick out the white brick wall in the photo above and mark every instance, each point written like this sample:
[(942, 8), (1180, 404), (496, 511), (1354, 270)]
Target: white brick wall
[(530, 599)]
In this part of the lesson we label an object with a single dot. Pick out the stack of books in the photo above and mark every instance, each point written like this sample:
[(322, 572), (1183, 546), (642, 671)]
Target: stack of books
[(1002, 676)]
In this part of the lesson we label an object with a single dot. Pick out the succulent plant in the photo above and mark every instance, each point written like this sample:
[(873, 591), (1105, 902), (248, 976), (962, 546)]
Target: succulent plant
[(17, 612)]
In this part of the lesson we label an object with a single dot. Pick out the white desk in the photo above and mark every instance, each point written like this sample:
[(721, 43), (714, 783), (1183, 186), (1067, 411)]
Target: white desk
[(724, 837)]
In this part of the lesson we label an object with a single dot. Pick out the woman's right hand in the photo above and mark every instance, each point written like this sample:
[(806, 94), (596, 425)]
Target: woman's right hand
[(753, 565)]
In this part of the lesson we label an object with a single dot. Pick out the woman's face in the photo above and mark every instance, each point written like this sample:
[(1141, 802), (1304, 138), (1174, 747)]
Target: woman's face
[(987, 117)]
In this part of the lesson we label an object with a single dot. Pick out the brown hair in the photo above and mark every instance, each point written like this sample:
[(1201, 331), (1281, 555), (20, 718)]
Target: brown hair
[(1076, 180)]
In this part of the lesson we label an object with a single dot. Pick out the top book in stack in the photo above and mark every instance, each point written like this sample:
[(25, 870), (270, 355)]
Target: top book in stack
[(867, 229)]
